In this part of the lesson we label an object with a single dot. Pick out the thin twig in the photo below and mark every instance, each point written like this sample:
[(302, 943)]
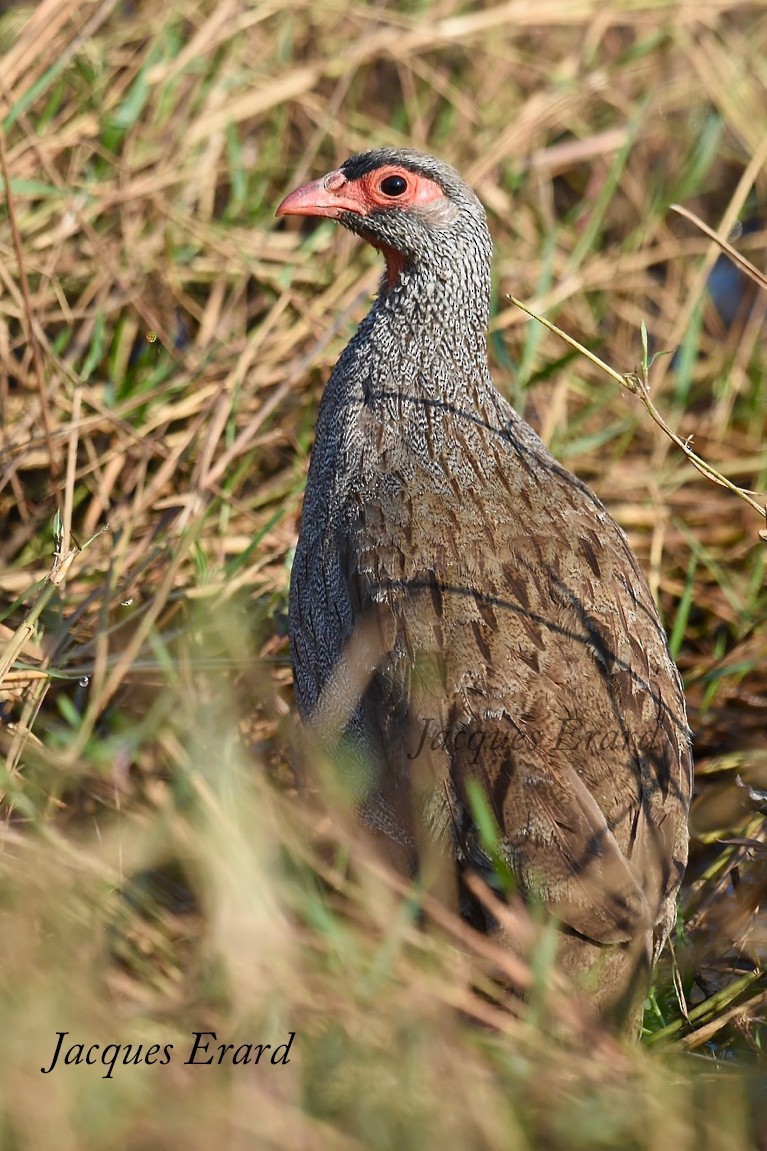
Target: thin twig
[(639, 385), (736, 256)]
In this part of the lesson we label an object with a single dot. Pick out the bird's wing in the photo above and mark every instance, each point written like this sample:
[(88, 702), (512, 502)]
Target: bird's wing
[(573, 723), (512, 612), (554, 691)]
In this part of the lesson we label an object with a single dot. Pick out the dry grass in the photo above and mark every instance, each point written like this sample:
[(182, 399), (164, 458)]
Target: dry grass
[(162, 350)]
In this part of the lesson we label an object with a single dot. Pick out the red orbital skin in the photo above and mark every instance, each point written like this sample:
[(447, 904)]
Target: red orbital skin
[(334, 194)]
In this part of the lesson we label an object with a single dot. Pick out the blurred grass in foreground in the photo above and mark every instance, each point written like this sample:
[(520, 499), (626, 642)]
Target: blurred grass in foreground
[(162, 350)]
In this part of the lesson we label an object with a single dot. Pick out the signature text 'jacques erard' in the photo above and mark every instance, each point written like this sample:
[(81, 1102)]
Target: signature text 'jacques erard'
[(204, 1051)]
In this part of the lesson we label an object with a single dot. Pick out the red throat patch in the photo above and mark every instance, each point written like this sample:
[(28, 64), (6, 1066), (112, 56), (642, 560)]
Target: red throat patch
[(395, 262)]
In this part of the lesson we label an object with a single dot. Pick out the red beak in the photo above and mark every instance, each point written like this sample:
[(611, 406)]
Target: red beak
[(328, 196)]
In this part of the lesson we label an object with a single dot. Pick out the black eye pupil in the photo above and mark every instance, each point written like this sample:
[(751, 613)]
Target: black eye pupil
[(393, 185)]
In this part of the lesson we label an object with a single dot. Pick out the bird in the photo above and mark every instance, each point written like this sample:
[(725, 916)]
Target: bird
[(470, 630)]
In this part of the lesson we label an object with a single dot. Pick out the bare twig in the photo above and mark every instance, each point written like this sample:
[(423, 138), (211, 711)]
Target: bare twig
[(638, 383), (736, 256)]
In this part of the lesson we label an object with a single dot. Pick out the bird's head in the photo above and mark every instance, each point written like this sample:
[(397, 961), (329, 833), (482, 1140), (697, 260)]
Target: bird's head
[(412, 207)]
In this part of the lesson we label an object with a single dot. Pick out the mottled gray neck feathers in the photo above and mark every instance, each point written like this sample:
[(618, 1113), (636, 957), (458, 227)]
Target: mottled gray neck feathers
[(426, 334)]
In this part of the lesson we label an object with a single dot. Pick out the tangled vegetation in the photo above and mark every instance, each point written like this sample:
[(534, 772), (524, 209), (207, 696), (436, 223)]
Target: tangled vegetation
[(163, 344)]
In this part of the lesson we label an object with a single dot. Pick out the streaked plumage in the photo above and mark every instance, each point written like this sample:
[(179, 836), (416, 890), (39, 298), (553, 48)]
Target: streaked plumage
[(451, 578)]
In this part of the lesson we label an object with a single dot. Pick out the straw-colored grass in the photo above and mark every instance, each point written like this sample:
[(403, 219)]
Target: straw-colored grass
[(163, 345)]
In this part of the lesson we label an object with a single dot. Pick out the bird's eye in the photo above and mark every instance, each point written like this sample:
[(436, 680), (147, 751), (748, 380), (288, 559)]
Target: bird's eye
[(393, 185)]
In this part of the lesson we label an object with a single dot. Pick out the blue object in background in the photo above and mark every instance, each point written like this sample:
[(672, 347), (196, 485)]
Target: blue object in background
[(730, 290)]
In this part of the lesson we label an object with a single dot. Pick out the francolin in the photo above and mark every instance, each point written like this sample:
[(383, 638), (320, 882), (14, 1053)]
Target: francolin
[(466, 618)]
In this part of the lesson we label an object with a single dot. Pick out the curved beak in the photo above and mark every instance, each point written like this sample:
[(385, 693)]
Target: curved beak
[(323, 197)]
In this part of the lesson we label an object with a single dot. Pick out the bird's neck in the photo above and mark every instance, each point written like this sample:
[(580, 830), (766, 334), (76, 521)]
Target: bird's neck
[(415, 371), (427, 331)]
